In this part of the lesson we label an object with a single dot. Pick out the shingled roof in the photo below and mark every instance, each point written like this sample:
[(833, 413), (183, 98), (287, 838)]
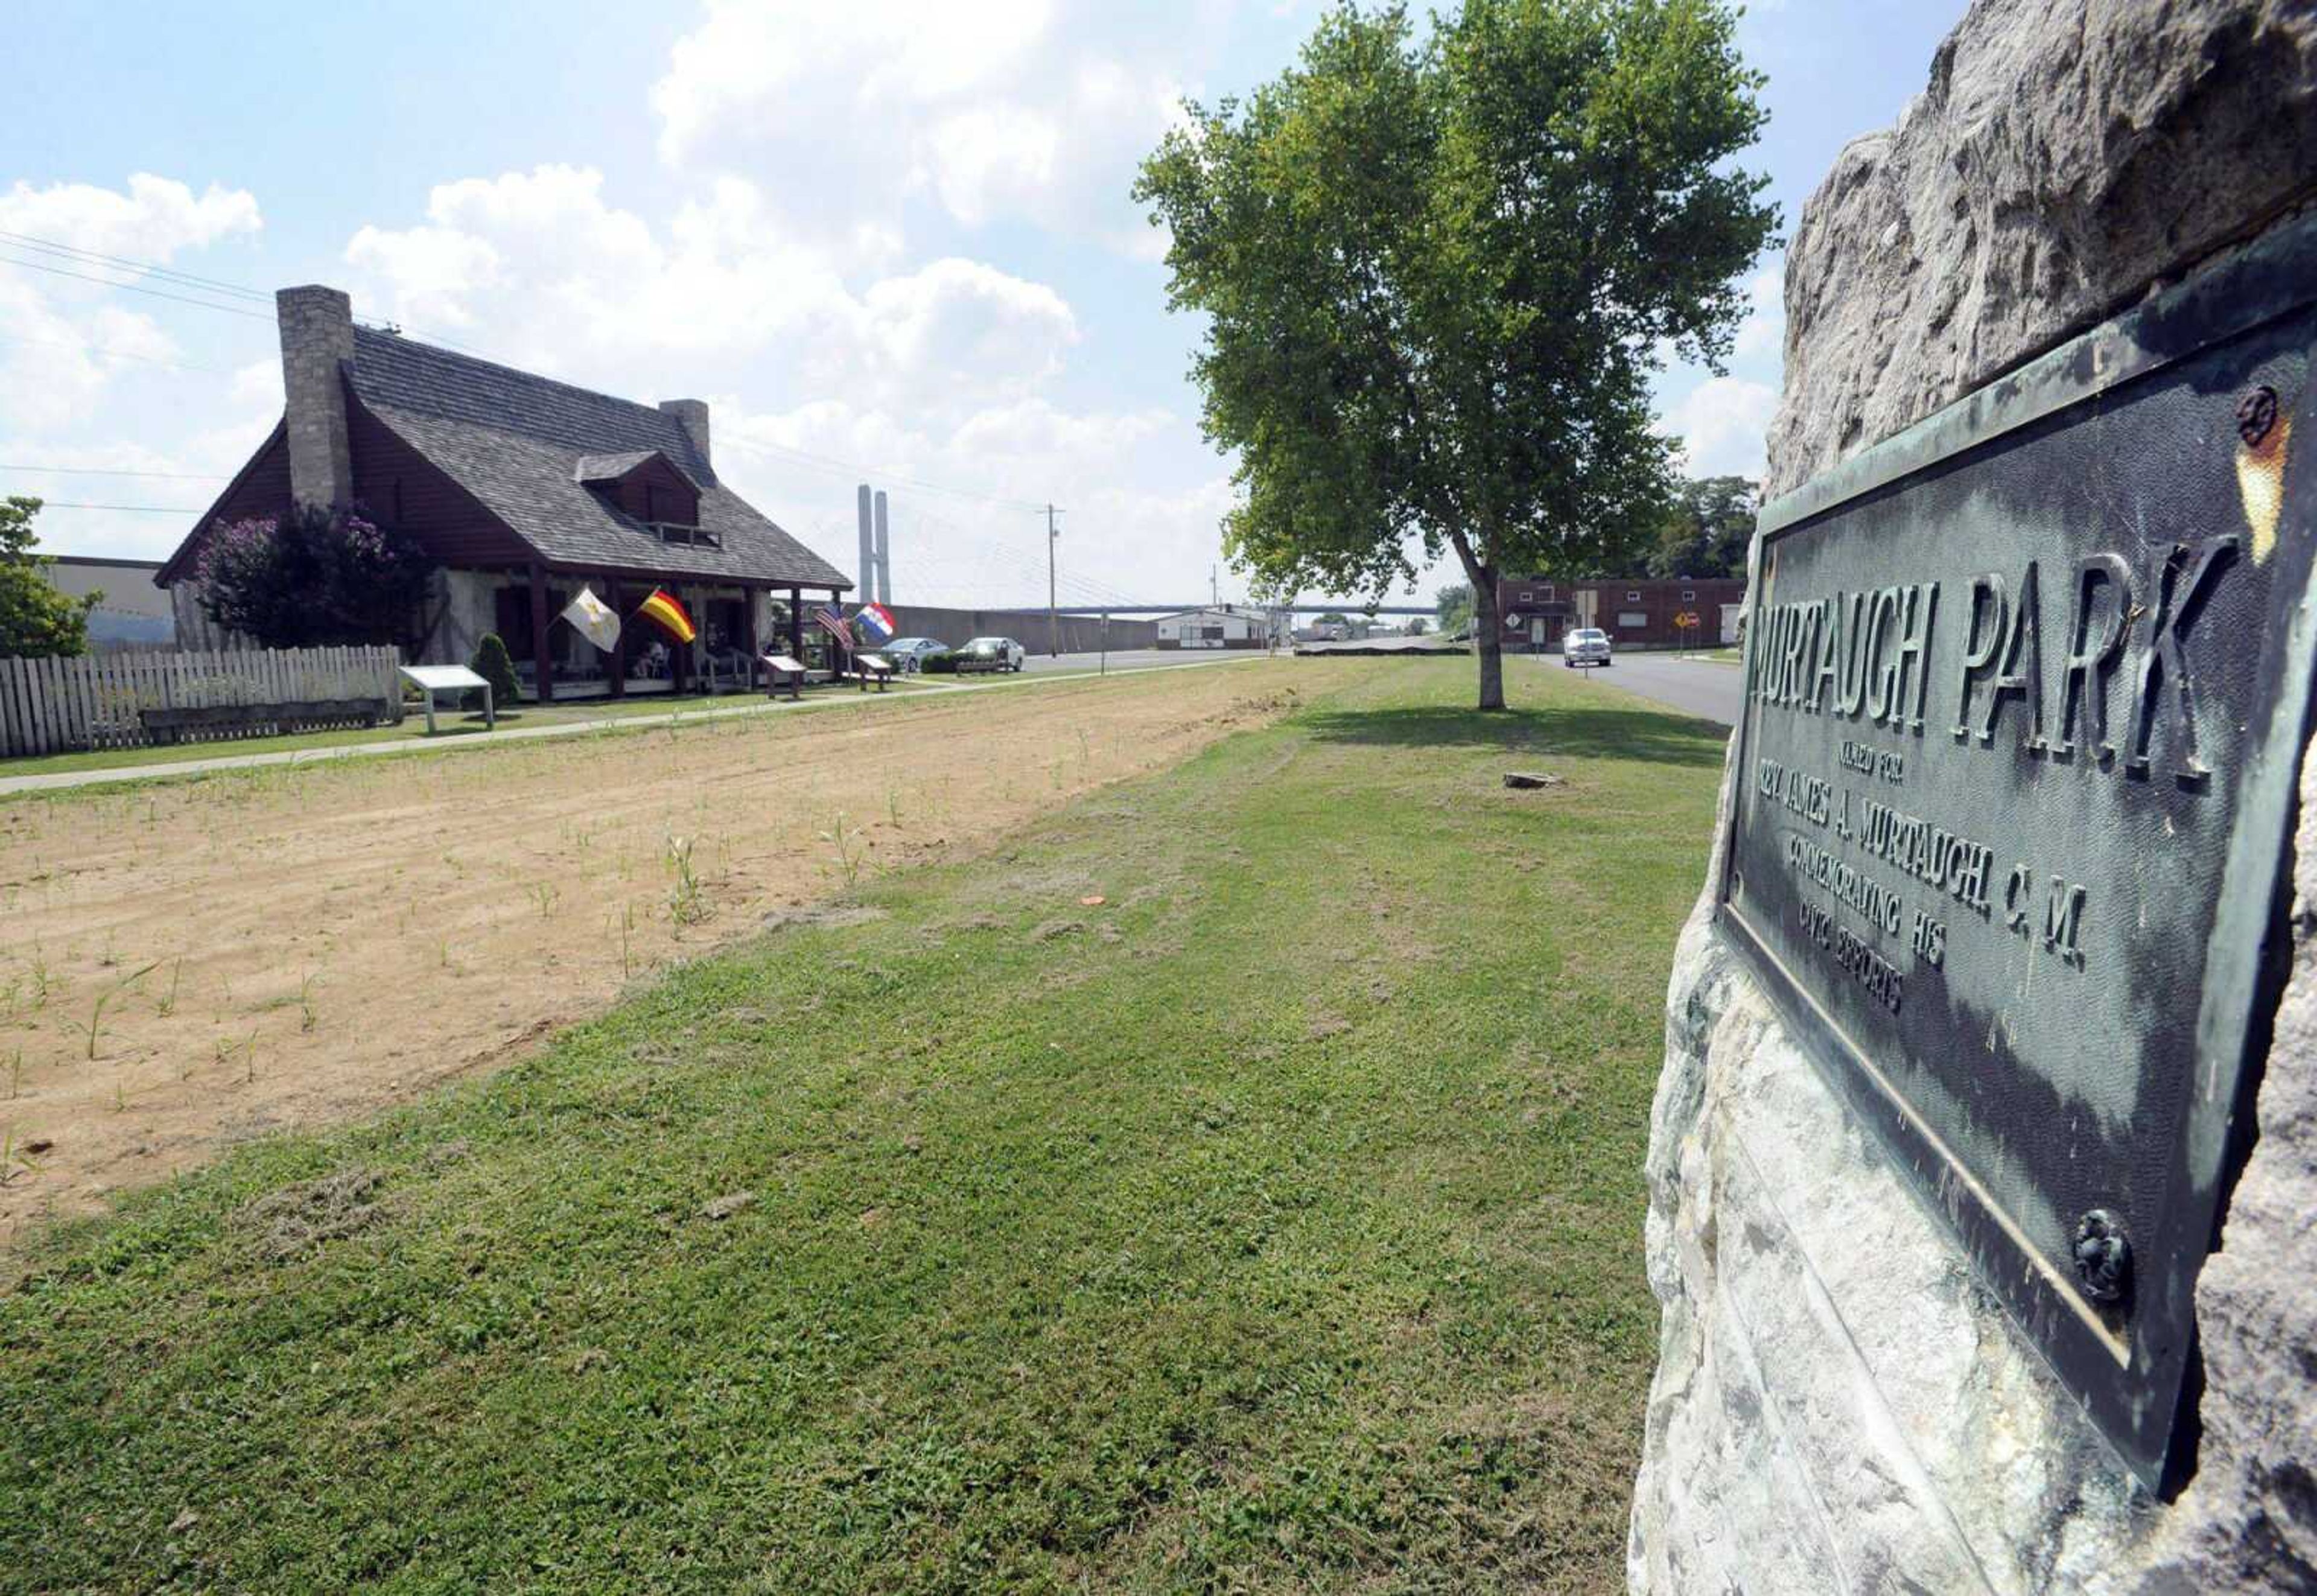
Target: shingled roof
[(516, 441)]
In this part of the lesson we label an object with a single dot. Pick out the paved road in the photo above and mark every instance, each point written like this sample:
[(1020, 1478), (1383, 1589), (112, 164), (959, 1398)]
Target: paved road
[(1694, 687)]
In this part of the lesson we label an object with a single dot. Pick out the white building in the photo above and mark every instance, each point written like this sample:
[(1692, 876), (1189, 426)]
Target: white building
[(1227, 627)]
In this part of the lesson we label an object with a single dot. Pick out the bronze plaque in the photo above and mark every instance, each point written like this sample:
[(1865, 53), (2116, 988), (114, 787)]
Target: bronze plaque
[(2027, 689)]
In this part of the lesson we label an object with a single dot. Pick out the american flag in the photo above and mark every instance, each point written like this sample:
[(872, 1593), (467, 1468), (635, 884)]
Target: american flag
[(831, 620)]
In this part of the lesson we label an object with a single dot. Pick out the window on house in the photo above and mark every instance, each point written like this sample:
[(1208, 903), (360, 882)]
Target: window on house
[(1688, 594), (1632, 595), (513, 608), (1527, 596)]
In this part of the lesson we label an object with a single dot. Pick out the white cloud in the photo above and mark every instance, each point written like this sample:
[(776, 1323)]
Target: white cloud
[(1721, 424), (152, 219), (550, 274), (757, 66), (62, 341), (1014, 109), (56, 361)]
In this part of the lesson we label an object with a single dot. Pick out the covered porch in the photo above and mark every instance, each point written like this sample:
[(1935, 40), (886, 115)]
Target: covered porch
[(735, 621)]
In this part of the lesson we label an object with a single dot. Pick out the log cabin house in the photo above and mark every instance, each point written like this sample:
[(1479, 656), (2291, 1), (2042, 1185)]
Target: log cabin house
[(524, 489)]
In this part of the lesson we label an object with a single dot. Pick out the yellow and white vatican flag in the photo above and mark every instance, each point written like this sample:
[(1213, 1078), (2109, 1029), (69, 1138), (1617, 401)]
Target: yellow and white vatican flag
[(593, 620)]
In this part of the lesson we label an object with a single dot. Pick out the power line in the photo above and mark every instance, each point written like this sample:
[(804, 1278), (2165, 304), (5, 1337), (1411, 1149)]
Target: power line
[(190, 279), (132, 288), (67, 504), (99, 471)]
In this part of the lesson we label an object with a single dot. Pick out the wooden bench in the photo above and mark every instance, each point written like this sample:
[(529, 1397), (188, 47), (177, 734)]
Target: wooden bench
[(168, 726), (873, 668)]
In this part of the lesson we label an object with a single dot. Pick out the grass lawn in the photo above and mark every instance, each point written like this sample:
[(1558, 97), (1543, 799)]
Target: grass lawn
[(448, 723), (1275, 1222)]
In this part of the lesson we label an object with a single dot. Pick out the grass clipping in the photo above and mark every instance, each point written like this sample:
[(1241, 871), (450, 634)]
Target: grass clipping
[(290, 1223)]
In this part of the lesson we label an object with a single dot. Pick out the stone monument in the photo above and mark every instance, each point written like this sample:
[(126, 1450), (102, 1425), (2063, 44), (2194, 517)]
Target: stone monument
[(1984, 1165)]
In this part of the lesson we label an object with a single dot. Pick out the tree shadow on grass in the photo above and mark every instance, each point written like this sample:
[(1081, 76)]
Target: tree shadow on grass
[(1651, 735)]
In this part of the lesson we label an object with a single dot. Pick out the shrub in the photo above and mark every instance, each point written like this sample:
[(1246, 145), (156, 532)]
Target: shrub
[(312, 577), (492, 663), (36, 621), (941, 664)]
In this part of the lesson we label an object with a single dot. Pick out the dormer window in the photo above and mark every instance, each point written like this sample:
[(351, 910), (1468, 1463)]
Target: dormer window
[(649, 488)]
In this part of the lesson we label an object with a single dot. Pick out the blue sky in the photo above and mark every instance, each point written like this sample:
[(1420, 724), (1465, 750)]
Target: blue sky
[(890, 235)]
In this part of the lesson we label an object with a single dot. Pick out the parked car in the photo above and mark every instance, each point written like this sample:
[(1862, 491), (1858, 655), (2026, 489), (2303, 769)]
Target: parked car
[(909, 654), (1585, 645), (990, 653)]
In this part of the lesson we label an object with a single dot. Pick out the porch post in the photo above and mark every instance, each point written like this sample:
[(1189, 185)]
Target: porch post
[(679, 659), (618, 686), (542, 657), (796, 623)]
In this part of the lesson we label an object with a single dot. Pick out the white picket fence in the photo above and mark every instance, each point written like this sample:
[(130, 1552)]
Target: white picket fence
[(93, 701)]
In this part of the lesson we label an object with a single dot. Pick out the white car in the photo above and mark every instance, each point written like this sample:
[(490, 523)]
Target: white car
[(1585, 645), (990, 653)]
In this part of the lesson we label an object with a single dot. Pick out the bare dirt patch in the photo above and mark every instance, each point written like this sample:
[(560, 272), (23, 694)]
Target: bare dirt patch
[(317, 942)]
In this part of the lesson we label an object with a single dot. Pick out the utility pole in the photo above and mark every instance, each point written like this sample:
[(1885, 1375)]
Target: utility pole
[(1214, 591), (1054, 618)]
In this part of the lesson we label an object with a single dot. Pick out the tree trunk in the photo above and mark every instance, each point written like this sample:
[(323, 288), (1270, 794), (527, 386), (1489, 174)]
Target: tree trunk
[(1488, 626), (1489, 638)]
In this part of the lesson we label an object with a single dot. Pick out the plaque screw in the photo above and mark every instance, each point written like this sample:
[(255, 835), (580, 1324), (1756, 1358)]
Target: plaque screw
[(2256, 414), (2103, 1255)]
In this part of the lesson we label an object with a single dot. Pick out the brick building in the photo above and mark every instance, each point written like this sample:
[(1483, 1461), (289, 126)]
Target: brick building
[(1637, 612)]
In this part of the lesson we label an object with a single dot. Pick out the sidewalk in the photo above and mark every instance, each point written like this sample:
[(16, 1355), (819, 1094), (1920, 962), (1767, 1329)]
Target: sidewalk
[(444, 745)]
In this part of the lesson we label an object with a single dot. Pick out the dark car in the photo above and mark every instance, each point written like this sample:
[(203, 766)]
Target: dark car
[(990, 653)]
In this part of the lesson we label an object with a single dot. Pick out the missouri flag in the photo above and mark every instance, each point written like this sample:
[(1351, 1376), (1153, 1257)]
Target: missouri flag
[(662, 608)]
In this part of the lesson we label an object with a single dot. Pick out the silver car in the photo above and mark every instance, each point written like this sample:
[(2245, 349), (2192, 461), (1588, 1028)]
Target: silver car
[(1585, 645), (909, 654)]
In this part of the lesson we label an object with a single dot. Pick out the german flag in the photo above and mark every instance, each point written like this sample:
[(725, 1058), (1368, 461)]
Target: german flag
[(662, 608)]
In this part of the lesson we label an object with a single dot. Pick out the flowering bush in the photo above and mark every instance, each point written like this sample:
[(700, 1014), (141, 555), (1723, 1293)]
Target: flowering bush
[(315, 578)]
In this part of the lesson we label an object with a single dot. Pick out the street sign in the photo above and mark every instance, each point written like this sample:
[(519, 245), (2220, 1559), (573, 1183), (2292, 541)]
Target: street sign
[(2026, 691)]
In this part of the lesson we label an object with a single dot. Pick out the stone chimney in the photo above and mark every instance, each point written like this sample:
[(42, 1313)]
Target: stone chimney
[(317, 340), (693, 414)]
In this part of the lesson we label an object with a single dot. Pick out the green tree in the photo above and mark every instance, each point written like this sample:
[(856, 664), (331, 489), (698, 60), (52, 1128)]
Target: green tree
[(492, 663), (1416, 626), (315, 578), (35, 620), (1453, 605), (1707, 531), (1437, 273)]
